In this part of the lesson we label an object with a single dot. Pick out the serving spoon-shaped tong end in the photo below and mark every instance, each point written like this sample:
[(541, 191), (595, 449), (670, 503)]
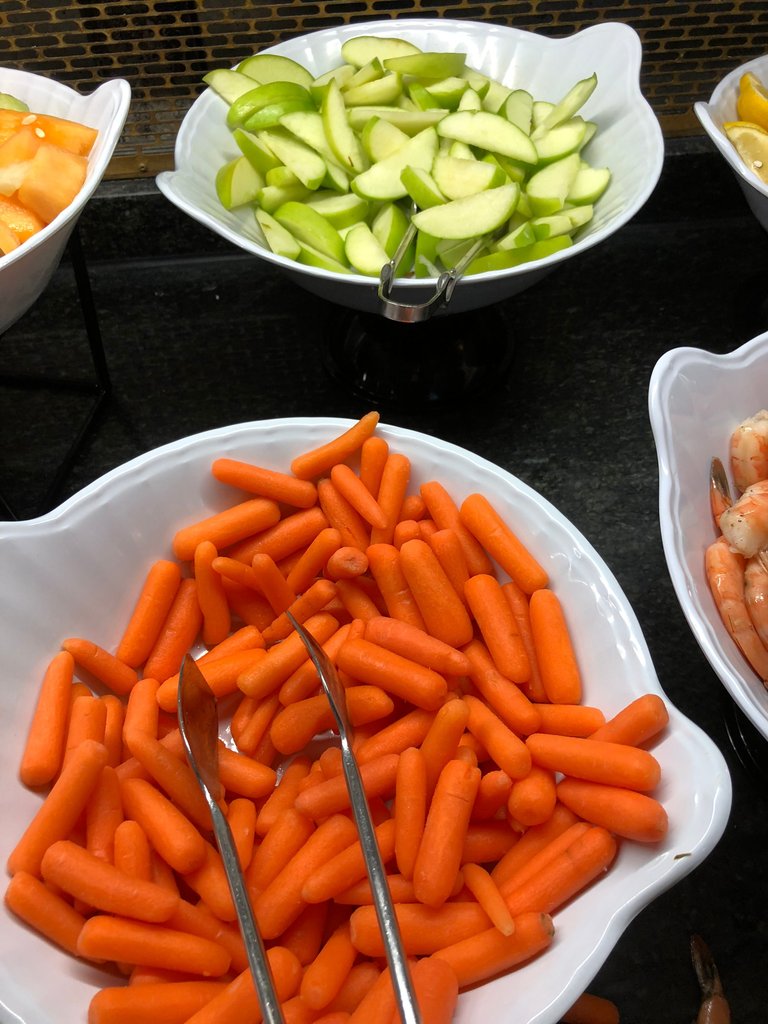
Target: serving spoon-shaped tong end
[(401, 979), (199, 726)]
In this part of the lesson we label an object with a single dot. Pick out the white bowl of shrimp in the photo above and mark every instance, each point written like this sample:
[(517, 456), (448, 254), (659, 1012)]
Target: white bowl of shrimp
[(705, 406)]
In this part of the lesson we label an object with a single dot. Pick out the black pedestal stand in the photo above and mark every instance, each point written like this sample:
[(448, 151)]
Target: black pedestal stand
[(750, 746), (99, 388)]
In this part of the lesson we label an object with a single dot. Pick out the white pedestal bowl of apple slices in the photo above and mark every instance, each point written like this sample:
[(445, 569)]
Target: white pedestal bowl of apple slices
[(315, 155)]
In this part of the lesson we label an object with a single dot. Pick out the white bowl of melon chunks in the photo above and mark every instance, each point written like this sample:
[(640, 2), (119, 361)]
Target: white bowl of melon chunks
[(505, 152), (55, 145)]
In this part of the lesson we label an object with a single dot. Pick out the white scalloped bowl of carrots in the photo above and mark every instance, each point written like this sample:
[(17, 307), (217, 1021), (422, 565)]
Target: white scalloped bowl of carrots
[(94, 867), (83, 131)]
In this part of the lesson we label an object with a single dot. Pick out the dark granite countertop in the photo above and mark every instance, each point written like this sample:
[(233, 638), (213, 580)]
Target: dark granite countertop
[(198, 335)]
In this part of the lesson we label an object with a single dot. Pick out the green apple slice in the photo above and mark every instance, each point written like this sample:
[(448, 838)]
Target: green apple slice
[(364, 251), (421, 187), (516, 257), (272, 94), (312, 257), (569, 105), (478, 82), (381, 138), (427, 64), (518, 108), (490, 132), (237, 183), (252, 147), (579, 215), (421, 98), (548, 188), (558, 142), (307, 125), (341, 138), (457, 177), (280, 241), (228, 84), (409, 121), (362, 76), (281, 176), (540, 112), (495, 96), (448, 91), (389, 225), (517, 238), (340, 211), (360, 50), (272, 197), (312, 228), (308, 166), (382, 180), (341, 75), (552, 226), (273, 67), (460, 150), (514, 171), (470, 100), (588, 185), (425, 258), (378, 92), (470, 216), (8, 102)]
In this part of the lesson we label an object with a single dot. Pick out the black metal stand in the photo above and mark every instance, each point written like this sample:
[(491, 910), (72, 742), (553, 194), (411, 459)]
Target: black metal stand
[(99, 387), (749, 745)]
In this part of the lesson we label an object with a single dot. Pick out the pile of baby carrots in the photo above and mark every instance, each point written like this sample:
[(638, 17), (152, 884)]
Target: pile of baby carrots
[(497, 794)]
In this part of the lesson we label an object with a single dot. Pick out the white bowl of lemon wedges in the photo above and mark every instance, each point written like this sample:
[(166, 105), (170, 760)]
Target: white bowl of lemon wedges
[(736, 120)]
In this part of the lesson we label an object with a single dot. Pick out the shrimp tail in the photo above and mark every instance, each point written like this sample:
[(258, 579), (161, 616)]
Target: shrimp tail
[(714, 1007)]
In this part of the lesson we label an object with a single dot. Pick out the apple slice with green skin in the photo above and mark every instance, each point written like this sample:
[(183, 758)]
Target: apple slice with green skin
[(382, 180), (427, 64), (338, 131), (308, 166), (470, 216), (282, 177), (280, 241), (381, 138), (312, 257), (513, 170), (558, 142), (272, 197), (452, 251), (341, 75), (569, 105), (364, 252), (425, 258), (579, 215), (255, 150), (421, 98), (518, 108), (310, 227), (228, 84), (588, 185), (470, 100), (548, 188), (516, 257), (389, 225), (237, 183), (8, 102), (460, 150), (409, 121), (340, 211), (495, 97), (307, 125), (379, 92), (478, 82), (421, 187), (550, 227), (540, 112), (457, 177), (490, 132), (273, 67), (448, 91), (362, 76), (242, 110), (360, 50), (517, 238)]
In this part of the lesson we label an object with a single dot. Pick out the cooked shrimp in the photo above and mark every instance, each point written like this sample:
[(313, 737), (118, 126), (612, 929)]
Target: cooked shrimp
[(725, 574), (749, 450), (714, 1007), (756, 594), (745, 523), (719, 491)]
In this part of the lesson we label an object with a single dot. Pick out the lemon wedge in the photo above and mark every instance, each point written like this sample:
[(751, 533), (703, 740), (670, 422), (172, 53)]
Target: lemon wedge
[(751, 143), (752, 102)]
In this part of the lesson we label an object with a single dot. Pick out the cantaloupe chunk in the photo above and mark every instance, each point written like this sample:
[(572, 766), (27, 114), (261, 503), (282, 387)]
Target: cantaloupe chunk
[(9, 240), (77, 138), (52, 181), (15, 155), (18, 219)]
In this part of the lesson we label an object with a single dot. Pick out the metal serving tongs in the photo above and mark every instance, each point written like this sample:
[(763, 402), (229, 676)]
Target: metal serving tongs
[(385, 911), (199, 726), (405, 312)]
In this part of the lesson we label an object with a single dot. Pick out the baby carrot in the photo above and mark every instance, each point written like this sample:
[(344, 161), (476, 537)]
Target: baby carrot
[(441, 743), (437, 990), (247, 605), (104, 937), (423, 929), (283, 839), (615, 764), (504, 746), (532, 798), (492, 795), (217, 620), (168, 1002), (439, 856), (641, 720), (342, 515), (243, 775), (445, 513), (221, 674), (407, 731), (313, 559), (227, 527), (241, 816), (102, 665), (294, 726), (518, 602), (61, 808), (555, 655), (450, 554), (624, 812), (539, 860), (498, 626), (172, 774), (251, 721), (441, 608), (267, 675), (238, 1000), (486, 892), (591, 1009), (413, 508), (86, 722), (103, 814), (148, 615), (391, 493), (280, 903), (485, 523), (272, 583), (410, 808), (351, 487), (356, 600), (142, 711), (386, 569), (346, 563), (305, 682), (102, 886), (290, 534), (132, 852), (210, 883), (170, 832), (315, 598), (283, 795), (378, 1003), (488, 841), (490, 953), (373, 456), (331, 796), (324, 977), (113, 727), (178, 633), (319, 460), (44, 910), (532, 841), (44, 747), (347, 867), (406, 529), (399, 676), (267, 483), (570, 719), (412, 642)]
